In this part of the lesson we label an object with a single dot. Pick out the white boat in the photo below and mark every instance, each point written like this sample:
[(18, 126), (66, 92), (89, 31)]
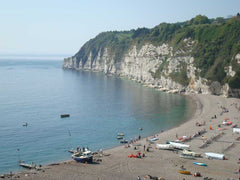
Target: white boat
[(186, 156), (191, 153), (236, 130), (179, 145), (211, 155), (164, 146), (153, 139)]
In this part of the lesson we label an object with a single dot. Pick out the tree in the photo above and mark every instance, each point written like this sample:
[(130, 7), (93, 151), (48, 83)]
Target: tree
[(199, 19)]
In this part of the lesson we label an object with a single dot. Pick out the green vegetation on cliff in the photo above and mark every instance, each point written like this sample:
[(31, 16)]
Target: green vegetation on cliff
[(217, 41)]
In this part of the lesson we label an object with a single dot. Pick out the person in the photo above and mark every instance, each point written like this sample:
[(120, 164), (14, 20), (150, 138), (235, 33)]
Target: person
[(144, 147), (176, 135), (138, 178)]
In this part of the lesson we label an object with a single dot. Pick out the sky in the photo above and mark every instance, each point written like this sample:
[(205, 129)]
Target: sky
[(61, 27)]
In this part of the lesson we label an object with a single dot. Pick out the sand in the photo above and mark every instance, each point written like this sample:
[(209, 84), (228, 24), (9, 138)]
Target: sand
[(115, 164)]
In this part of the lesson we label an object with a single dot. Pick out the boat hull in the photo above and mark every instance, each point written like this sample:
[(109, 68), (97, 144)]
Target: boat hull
[(184, 172), (83, 159)]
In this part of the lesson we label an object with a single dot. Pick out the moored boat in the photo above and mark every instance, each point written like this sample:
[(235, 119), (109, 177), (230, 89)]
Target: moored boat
[(120, 134), (65, 115), (119, 137), (124, 141)]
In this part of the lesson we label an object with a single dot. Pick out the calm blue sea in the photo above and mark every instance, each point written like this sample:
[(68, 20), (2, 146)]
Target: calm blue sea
[(38, 91)]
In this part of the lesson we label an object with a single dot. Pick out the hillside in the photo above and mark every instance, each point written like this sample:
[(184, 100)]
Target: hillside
[(201, 55)]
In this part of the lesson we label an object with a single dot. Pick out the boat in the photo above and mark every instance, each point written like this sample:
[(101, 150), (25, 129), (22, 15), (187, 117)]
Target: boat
[(186, 156), (189, 152), (179, 145), (200, 164), (164, 146), (120, 134), (119, 137), (65, 115), (211, 155), (153, 139), (25, 165), (184, 172), (83, 157), (124, 141)]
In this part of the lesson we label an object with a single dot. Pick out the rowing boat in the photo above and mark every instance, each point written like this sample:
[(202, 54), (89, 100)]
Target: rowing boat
[(184, 172), (200, 164)]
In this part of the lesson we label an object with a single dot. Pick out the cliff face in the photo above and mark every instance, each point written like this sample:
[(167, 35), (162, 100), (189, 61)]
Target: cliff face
[(198, 56), (141, 65)]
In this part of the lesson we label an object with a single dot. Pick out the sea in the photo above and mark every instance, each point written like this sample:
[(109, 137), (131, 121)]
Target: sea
[(37, 91)]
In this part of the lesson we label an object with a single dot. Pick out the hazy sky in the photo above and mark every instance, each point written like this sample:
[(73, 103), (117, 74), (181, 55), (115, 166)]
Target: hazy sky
[(63, 26)]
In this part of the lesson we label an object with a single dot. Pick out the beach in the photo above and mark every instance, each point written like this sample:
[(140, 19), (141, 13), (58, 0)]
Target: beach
[(114, 163)]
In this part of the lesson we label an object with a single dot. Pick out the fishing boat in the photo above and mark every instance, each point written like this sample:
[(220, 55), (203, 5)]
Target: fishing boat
[(120, 134), (124, 141), (191, 153), (184, 172), (211, 155), (200, 164), (153, 139), (28, 166), (119, 137), (179, 145), (83, 157), (185, 156), (164, 146), (65, 115)]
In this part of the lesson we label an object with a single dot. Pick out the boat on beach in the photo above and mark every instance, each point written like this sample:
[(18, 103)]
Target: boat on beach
[(179, 145), (184, 172), (164, 146), (211, 155), (83, 157), (191, 153), (185, 156), (200, 164), (28, 166)]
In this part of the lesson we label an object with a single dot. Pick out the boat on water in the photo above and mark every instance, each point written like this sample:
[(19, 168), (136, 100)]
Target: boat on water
[(164, 146), (124, 141), (120, 137), (65, 115), (200, 164), (179, 145), (184, 172), (191, 153), (120, 134)]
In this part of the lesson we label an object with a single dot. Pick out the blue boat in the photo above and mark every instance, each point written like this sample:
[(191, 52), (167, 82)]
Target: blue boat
[(200, 164)]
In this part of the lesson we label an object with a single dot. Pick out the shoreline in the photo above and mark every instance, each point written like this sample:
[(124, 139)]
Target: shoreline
[(115, 163)]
